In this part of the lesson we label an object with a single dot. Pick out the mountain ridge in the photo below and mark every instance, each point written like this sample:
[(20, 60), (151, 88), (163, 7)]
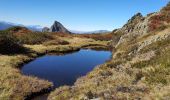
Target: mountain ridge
[(5, 25), (89, 32)]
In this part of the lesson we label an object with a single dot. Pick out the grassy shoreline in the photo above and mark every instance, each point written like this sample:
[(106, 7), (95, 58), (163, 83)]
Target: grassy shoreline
[(14, 85)]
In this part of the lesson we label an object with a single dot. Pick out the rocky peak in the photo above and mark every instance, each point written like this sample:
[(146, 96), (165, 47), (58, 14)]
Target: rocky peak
[(58, 27), (129, 26), (137, 16), (166, 8), (136, 26), (139, 26)]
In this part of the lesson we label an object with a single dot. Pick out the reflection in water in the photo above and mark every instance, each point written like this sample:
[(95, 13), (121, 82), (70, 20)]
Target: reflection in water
[(65, 69)]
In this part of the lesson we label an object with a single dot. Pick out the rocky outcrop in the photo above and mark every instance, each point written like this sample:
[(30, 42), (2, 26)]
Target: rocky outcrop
[(160, 36), (139, 68), (135, 26), (58, 27), (130, 25), (139, 26)]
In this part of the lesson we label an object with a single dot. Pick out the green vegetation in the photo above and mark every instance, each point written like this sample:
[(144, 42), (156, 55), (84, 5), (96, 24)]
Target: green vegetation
[(16, 29), (139, 68), (9, 44), (100, 37), (14, 85), (160, 64), (25, 36), (156, 46), (160, 21), (56, 42), (15, 44), (34, 38)]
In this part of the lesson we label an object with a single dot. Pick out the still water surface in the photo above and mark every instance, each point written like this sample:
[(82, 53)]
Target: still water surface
[(65, 69)]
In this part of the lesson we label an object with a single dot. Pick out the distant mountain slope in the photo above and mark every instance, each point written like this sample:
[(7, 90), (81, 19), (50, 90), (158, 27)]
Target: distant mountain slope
[(56, 27), (5, 25), (35, 27), (89, 32)]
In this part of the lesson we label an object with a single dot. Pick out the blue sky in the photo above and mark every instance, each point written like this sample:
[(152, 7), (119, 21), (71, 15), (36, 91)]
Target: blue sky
[(84, 15)]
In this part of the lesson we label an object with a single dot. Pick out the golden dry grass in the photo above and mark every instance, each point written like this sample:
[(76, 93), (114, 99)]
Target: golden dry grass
[(15, 86), (129, 75)]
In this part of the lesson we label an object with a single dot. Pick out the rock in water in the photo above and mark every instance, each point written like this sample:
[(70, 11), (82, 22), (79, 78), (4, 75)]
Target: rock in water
[(58, 27)]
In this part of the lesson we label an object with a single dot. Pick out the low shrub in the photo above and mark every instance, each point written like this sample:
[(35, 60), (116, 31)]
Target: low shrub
[(16, 29), (56, 42), (159, 21), (9, 44), (26, 36), (101, 37), (34, 38), (157, 68)]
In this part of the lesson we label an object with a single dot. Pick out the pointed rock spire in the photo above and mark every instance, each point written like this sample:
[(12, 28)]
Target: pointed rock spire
[(58, 27)]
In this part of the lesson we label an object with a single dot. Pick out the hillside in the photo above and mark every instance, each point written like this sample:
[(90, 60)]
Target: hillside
[(20, 45), (139, 68)]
